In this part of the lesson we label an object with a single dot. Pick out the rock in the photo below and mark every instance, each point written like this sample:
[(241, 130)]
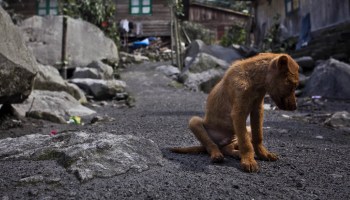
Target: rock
[(100, 89), (302, 80), (204, 81), (223, 56), (169, 71), (127, 58), (32, 179), (140, 59), (52, 106), (83, 72), (85, 41), (203, 62), (17, 64), (194, 48), (330, 79), (205, 65), (105, 70), (95, 70), (77, 93), (87, 155), (306, 62), (50, 79), (339, 120)]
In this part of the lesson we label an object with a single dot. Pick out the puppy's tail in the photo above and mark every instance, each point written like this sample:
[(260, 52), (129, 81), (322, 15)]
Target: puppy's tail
[(194, 149)]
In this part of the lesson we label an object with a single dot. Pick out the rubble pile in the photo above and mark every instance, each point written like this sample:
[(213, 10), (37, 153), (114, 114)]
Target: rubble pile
[(154, 51)]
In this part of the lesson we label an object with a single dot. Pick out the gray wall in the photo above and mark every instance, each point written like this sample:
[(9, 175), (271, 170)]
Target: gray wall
[(323, 13)]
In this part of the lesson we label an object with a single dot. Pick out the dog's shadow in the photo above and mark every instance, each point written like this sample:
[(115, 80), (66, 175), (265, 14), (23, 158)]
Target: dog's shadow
[(198, 162)]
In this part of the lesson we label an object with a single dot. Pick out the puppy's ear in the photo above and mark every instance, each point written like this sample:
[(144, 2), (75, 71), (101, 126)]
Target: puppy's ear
[(281, 64), (282, 61)]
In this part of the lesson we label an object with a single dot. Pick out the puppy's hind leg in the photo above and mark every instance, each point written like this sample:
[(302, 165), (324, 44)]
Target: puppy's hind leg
[(231, 150), (196, 125)]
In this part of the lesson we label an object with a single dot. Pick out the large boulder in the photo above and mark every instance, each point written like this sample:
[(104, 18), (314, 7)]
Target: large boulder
[(49, 78), (205, 65), (17, 64), (204, 81), (203, 62), (330, 79), (86, 155), (52, 106), (306, 63), (85, 41), (100, 89), (220, 56)]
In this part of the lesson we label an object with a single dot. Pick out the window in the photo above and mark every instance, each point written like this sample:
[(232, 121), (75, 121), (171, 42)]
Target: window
[(291, 6), (140, 7), (47, 7)]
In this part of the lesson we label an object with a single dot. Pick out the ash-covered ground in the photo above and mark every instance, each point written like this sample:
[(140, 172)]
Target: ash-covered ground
[(314, 159)]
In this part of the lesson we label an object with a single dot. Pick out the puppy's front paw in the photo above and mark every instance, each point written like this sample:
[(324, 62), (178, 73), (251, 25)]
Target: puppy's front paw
[(217, 157), (268, 156), (249, 165), (263, 154)]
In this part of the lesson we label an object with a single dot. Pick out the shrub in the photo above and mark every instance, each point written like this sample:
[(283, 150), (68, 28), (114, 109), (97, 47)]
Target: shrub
[(98, 12), (235, 35)]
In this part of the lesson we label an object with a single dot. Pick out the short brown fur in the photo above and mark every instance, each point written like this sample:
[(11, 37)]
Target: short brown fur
[(240, 93)]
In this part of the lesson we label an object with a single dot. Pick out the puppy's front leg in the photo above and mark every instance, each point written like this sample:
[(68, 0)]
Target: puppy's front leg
[(248, 163), (256, 121)]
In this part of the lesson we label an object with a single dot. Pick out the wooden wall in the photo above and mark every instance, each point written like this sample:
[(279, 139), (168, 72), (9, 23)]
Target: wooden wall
[(217, 19), (155, 24), (25, 7), (323, 14)]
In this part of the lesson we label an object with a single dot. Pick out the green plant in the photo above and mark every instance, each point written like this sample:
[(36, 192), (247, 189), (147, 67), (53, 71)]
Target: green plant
[(272, 42), (178, 7), (198, 31), (235, 35), (98, 12)]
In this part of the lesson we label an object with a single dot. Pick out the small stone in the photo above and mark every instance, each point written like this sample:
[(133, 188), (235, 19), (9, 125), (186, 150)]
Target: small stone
[(32, 179), (96, 119), (300, 183), (33, 192), (336, 175)]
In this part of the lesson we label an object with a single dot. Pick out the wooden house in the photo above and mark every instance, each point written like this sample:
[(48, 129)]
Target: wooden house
[(145, 17), (216, 18), (328, 23), (323, 14), (28, 8)]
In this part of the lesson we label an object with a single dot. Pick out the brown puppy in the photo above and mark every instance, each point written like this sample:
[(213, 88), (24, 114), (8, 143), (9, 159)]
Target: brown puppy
[(240, 93)]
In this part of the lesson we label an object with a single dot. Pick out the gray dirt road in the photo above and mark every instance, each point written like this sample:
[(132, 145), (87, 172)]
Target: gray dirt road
[(310, 166)]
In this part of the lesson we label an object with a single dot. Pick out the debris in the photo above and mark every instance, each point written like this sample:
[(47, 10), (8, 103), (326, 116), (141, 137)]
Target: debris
[(267, 107), (339, 120), (74, 120), (53, 132), (286, 116), (316, 97), (142, 43)]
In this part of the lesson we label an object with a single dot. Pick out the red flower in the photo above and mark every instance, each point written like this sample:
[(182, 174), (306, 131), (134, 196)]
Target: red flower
[(104, 24)]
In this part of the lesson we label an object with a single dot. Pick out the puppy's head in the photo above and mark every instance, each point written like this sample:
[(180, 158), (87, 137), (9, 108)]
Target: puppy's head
[(282, 81)]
